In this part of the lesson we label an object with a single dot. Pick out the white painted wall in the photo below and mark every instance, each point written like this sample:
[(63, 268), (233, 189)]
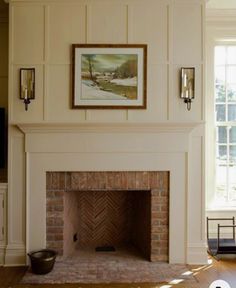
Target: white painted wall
[(41, 34)]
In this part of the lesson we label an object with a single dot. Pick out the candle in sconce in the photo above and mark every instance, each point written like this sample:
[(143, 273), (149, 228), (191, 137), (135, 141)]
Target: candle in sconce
[(185, 80), (26, 93), (187, 94), (27, 85)]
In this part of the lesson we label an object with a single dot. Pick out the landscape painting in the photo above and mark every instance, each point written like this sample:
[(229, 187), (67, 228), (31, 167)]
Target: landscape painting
[(109, 76)]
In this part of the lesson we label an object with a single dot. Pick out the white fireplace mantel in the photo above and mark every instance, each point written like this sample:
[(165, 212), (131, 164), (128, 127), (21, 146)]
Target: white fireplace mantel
[(159, 127), (174, 147)]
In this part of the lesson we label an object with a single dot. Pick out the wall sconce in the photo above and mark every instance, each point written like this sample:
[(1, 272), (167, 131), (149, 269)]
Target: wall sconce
[(187, 85), (27, 85)]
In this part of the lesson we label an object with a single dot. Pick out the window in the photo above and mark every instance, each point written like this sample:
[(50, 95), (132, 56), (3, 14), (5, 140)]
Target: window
[(225, 124)]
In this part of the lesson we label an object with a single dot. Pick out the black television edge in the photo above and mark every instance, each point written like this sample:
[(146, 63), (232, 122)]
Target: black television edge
[(2, 137)]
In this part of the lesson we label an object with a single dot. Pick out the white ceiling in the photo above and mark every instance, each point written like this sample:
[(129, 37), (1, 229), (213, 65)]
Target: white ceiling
[(221, 4)]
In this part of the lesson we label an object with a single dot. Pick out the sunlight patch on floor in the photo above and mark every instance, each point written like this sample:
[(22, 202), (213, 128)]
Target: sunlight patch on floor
[(209, 261), (187, 273), (199, 268), (176, 281)]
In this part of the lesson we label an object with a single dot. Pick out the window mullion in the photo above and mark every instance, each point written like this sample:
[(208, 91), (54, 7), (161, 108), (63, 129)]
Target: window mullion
[(227, 118)]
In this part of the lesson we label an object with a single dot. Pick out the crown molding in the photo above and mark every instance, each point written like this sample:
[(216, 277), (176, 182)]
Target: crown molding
[(221, 15)]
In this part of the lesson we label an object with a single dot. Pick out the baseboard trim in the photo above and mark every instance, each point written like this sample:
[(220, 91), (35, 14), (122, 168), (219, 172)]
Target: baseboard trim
[(2, 254), (15, 255), (197, 254)]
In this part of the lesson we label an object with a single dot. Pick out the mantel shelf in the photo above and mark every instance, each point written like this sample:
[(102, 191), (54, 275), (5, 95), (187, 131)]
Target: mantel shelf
[(92, 127)]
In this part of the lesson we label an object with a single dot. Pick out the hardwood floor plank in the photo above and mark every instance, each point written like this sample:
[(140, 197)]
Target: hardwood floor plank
[(10, 276)]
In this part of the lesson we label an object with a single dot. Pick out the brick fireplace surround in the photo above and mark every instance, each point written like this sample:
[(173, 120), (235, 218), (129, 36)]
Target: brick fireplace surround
[(154, 235)]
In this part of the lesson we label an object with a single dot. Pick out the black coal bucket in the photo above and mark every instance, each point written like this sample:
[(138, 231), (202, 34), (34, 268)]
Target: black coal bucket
[(42, 261)]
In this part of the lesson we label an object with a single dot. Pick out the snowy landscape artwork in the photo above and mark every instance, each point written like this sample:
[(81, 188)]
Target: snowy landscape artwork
[(109, 76)]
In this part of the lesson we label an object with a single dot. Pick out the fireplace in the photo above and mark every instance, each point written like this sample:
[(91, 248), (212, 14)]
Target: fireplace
[(90, 148), (91, 209)]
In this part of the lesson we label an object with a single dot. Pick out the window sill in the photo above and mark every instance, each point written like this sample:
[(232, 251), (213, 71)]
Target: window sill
[(221, 209)]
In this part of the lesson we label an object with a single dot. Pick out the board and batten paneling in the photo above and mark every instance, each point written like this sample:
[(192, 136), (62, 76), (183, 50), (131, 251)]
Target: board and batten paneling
[(27, 35), (42, 34), (107, 23), (66, 25)]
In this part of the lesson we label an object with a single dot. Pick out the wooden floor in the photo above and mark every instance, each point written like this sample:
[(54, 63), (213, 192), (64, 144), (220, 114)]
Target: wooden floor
[(224, 269)]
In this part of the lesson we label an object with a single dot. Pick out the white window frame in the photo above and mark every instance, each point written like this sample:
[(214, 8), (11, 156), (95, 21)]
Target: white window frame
[(228, 124), (215, 37)]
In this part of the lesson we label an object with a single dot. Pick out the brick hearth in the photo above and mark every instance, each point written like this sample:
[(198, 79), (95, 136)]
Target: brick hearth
[(152, 239)]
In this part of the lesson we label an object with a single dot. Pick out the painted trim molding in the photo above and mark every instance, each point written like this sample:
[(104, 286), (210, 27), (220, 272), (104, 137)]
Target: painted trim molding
[(221, 15), (167, 127)]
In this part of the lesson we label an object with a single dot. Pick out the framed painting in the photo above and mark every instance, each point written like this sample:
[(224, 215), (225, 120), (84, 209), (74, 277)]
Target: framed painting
[(109, 76)]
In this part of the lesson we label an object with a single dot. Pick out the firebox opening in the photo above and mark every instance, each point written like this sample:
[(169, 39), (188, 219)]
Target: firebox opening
[(107, 219), (126, 209)]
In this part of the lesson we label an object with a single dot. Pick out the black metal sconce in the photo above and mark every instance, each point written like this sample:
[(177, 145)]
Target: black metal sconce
[(187, 85), (27, 85)]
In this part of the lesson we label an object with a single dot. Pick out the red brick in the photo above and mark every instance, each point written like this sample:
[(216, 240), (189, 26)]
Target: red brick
[(56, 181), (58, 208), (58, 221), (164, 236), (131, 180), (96, 180), (51, 202), (116, 180), (74, 181), (59, 237), (68, 181), (164, 251), (153, 180), (164, 208), (142, 181), (156, 192), (77, 181), (83, 180), (50, 237), (155, 237), (159, 243), (158, 215), (165, 180), (54, 230), (50, 221), (156, 207)]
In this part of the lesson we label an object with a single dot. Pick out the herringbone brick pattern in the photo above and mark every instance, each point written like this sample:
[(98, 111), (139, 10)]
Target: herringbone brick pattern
[(105, 217)]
